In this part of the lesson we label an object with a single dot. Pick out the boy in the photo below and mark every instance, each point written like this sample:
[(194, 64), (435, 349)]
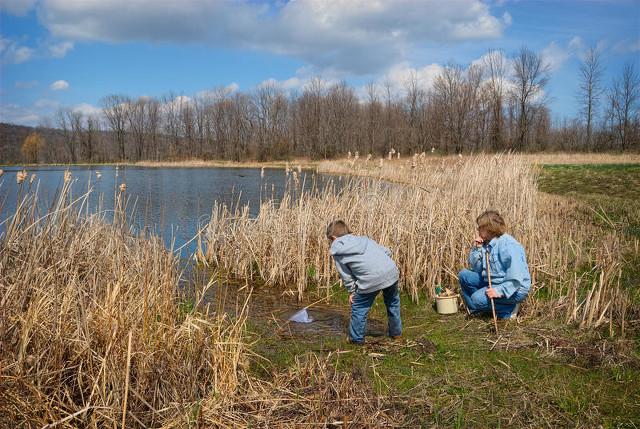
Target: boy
[(366, 268), (510, 279)]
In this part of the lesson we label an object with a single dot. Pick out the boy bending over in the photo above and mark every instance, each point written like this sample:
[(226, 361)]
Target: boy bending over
[(366, 268)]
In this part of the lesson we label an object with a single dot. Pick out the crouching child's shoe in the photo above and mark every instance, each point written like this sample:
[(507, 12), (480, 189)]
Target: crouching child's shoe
[(514, 313)]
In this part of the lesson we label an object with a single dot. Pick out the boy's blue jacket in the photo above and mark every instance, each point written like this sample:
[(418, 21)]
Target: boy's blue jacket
[(509, 269), (364, 265)]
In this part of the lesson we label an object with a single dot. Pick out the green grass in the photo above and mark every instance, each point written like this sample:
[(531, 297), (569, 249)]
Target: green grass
[(466, 382), (612, 192)]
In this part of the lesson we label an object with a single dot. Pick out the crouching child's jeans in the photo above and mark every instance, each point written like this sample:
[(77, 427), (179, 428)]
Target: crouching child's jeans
[(362, 303), (474, 293)]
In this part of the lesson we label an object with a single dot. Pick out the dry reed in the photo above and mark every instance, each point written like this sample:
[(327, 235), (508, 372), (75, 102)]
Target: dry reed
[(90, 328)]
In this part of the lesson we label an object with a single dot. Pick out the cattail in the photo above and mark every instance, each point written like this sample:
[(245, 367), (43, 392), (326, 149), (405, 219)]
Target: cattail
[(262, 173), (98, 174), (349, 155), (1, 173), (357, 156), (21, 176), (287, 170), (433, 149), (398, 154), (381, 162), (459, 155), (67, 176), (32, 178), (299, 169), (123, 187)]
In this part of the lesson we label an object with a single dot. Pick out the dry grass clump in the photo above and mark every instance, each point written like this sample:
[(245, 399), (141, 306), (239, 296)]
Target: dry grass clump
[(312, 393), (427, 218), (91, 330)]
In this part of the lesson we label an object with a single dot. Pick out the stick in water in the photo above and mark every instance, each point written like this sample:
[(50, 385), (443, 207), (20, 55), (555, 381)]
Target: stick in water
[(493, 305)]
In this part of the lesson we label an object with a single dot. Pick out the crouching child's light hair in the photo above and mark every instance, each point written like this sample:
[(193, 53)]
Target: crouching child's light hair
[(492, 222)]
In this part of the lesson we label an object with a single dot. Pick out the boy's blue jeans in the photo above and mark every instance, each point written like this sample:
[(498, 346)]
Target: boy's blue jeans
[(362, 303), (474, 293)]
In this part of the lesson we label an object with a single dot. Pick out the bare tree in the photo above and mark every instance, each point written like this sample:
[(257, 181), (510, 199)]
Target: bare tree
[(530, 77), (590, 89), (624, 97), (495, 67), (115, 108), (63, 121), (137, 119)]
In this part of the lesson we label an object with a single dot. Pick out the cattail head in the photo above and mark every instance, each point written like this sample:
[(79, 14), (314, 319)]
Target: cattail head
[(357, 155), (349, 155), (123, 187), (98, 174), (1, 172), (381, 162), (67, 176), (262, 173), (299, 169), (32, 178), (433, 149), (398, 154), (21, 176)]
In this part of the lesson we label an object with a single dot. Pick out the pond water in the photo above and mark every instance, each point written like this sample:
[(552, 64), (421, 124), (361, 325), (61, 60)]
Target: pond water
[(173, 203)]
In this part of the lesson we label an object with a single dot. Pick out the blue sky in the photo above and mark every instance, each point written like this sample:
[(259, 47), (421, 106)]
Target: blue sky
[(70, 53)]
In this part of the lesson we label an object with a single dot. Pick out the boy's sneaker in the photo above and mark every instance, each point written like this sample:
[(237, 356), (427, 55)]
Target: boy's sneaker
[(357, 343)]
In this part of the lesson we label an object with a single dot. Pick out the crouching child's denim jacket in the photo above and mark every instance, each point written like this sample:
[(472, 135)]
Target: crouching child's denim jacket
[(509, 269)]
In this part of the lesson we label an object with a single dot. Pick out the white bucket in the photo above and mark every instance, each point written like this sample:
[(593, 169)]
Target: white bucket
[(447, 304)]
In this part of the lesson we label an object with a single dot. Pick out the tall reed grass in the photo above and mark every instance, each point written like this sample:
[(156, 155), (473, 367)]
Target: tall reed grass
[(92, 334), (424, 209)]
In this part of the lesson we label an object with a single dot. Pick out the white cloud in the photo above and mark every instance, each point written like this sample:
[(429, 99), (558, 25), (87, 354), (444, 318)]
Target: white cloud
[(26, 84), (17, 7), (59, 85), (12, 52), (15, 52), (556, 55), (627, 46), (59, 50), (16, 114), (87, 109), (507, 18), (358, 36), (399, 75)]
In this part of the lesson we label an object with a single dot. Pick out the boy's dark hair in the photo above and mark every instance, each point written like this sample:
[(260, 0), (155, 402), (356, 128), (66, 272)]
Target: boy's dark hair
[(492, 222), (337, 228)]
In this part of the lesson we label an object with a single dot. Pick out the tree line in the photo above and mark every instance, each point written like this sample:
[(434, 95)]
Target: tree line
[(499, 103)]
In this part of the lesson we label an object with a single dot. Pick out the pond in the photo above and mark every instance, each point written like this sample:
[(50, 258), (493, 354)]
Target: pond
[(173, 203)]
